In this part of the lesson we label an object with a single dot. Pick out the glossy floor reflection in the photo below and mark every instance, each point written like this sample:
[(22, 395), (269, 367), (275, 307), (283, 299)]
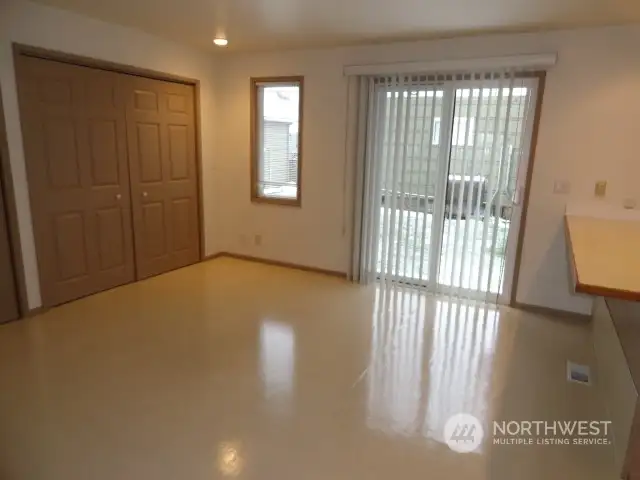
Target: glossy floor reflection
[(230, 369)]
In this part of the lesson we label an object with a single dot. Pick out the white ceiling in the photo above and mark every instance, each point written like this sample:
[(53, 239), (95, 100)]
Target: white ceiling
[(270, 24)]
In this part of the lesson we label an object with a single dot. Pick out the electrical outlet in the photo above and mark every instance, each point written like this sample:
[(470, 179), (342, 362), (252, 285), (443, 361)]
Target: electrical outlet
[(629, 203), (601, 189), (257, 240), (562, 187)]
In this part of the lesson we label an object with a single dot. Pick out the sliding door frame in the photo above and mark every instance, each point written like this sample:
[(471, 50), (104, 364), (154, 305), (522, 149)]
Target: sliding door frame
[(513, 236), (438, 215), (510, 274), (530, 164), (445, 132), (440, 201), (510, 269)]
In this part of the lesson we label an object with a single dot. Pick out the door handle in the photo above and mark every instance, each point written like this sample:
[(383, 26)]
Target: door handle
[(518, 195), (145, 194), (118, 197)]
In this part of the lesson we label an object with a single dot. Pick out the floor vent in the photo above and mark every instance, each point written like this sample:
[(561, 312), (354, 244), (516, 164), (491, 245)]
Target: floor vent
[(578, 373)]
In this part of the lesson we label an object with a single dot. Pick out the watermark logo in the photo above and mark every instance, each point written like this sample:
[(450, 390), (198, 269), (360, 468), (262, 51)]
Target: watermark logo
[(463, 433), (552, 432)]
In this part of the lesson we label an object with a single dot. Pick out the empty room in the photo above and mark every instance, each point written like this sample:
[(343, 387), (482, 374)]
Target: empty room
[(318, 240)]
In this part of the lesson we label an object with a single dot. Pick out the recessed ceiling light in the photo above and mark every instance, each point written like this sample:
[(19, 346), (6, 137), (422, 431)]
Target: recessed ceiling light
[(221, 42)]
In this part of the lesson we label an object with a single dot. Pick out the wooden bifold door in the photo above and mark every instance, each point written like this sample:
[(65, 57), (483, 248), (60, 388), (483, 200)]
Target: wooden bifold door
[(112, 176), (162, 153)]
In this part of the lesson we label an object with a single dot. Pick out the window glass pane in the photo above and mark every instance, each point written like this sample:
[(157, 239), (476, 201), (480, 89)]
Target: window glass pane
[(464, 131), (436, 131), (278, 116), (460, 126)]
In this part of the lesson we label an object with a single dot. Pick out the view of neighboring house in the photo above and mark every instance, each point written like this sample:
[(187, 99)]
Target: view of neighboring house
[(280, 152), (473, 133), (280, 127)]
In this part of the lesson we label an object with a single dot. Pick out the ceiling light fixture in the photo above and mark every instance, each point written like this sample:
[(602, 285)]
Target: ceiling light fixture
[(221, 42)]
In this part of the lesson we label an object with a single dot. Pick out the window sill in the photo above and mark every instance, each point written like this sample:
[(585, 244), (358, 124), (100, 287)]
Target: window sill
[(287, 202)]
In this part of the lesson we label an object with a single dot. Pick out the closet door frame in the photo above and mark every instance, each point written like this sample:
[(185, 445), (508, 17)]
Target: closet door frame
[(11, 212), (26, 50), (20, 50)]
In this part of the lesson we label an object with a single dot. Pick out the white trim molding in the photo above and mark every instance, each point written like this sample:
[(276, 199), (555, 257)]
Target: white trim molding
[(542, 61)]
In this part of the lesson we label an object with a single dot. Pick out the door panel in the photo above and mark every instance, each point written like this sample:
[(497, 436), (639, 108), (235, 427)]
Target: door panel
[(61, 153), (162, 162), (112, 247), (180, 217), (72, 262), (412, 158), (489, 146), (75, 147), (111, 241), (103, 137), (8, 293), (145, 100), (153, 230), (149, 157), (179, 152)]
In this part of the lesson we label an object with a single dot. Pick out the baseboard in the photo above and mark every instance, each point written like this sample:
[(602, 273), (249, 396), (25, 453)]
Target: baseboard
[(276, 263), (552, 312), (28, 314), (213, 256), (35, 311)]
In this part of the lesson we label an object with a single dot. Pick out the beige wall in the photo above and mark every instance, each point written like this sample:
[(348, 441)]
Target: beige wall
[(588, 132), (41, 26)]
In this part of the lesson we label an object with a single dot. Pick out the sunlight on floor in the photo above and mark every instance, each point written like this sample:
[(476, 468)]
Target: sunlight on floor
[(456, 375)]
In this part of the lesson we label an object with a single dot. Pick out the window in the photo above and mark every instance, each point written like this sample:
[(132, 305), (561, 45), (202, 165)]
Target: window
[(459, 132), (276, 110)]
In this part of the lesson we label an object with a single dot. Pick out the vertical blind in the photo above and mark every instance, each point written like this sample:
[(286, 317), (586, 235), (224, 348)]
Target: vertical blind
[(438, 166), (280, 153)]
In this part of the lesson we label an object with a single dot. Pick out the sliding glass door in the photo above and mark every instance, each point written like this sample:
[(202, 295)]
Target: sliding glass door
[(452, 158), (413, 164)]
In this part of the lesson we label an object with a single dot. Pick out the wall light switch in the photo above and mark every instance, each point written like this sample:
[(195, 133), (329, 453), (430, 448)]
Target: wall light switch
[(601, 189), (562, 187)]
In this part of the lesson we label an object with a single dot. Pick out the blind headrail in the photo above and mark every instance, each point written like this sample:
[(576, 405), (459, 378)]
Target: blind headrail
[(542, 61)]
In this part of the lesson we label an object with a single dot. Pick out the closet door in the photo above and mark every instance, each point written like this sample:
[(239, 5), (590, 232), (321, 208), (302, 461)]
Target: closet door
[(8, 294), (74, 131), (162, 161)]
